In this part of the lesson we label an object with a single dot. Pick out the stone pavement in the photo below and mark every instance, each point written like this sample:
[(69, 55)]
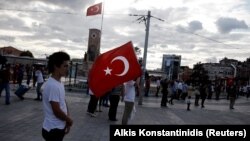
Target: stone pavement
[(22, 120)]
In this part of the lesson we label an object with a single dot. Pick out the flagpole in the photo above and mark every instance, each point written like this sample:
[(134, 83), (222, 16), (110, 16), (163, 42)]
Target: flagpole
[(101, 25), (102, 15)]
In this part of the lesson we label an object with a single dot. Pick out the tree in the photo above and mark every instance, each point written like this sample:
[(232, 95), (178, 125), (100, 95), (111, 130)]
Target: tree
[(26, 53), (199, 75)]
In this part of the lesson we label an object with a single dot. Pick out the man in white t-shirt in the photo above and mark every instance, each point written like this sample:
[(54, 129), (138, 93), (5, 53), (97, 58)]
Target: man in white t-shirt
[(57, 121)]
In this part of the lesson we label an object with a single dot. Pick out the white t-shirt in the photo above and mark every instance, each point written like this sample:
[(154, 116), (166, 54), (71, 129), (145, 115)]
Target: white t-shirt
[(158, 83), (53, 91), (129, 93), (39, 76)]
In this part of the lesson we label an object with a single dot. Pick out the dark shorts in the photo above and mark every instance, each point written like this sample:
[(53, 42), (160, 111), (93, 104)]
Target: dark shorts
[(53, 134)]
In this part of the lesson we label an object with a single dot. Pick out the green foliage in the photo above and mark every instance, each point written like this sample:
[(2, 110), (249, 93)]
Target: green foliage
[(199, 75)]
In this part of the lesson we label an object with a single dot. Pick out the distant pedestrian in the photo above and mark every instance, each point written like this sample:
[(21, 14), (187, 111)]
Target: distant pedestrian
[(57, 120), (232, 95), (203, 94), (20, 75), (173, 90), (188, 103), (28, 70), (218, 88), (147, 86), (5, 83), (34, 77), (40, 80), (184, 91), (196, 93), (164, 99), (158, 86)]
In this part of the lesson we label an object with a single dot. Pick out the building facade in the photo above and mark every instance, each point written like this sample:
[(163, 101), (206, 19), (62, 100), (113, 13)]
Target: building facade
[(218, 71), (171, 66)]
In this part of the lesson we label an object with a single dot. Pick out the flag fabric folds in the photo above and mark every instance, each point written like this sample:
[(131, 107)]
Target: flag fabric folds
[(94, 9), (113, 68)]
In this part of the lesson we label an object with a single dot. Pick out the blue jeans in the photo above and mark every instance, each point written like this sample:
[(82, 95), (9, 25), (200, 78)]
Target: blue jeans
[(6, 86)]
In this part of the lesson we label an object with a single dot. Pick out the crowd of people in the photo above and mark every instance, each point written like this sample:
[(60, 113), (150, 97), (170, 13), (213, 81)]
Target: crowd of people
[(16, 74), (57, 119)]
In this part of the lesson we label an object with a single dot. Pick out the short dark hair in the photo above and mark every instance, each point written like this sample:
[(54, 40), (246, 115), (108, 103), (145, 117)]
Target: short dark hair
[(57, 59)]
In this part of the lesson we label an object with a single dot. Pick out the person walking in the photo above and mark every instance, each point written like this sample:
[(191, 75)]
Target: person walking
[(188, 103), (5, 83), (164, 99), (203, 94), (232, 95), (40, 80), (57, 120), (158, 86), (173, 92)]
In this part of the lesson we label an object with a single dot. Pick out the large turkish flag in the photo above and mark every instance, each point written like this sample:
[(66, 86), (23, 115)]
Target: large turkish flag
[(114, 68)]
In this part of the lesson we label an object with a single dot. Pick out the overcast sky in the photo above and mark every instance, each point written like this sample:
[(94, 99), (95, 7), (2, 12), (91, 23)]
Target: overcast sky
[(198, 30)]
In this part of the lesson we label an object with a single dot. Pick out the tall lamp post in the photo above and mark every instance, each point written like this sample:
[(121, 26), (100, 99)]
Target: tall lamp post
[(144, 60), (146, 19)]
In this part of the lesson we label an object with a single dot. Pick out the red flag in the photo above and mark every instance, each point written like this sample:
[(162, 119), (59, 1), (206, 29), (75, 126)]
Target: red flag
[(94, 9), (114, 68)]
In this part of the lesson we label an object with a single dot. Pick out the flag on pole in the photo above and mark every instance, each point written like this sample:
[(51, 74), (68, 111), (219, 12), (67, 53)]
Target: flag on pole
[(114, 68), (94, 9)]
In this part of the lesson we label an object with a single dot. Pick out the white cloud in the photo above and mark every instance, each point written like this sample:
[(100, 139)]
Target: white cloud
[(47, 26)]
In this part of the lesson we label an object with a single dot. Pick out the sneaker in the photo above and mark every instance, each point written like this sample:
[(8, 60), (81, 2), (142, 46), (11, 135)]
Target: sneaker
[(88, 113), (92, 114)]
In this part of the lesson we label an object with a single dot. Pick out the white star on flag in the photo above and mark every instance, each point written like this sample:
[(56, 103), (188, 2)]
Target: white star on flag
[(108, 71)]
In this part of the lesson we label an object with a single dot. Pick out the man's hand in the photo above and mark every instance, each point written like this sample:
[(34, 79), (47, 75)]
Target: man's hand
[(69, 123), (67, 129)]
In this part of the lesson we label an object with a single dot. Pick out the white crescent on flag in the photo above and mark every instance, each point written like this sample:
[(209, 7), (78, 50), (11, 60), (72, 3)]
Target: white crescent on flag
[(125, 62), (95, 9)]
